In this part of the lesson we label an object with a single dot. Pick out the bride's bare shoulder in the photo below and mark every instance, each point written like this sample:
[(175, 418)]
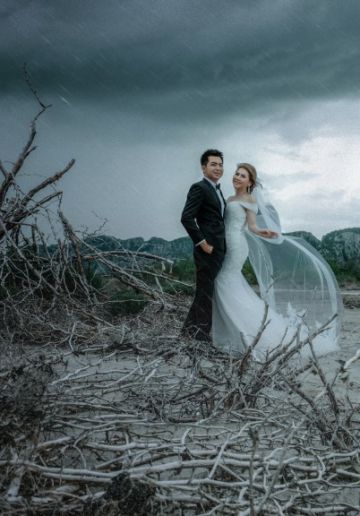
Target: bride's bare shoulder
[(250, 198), (231, 198)]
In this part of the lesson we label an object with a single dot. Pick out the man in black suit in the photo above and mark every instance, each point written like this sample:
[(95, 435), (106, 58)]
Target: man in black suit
[(203, 219)]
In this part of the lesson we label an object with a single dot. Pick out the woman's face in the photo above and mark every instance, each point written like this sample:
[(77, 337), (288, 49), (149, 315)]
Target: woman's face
[(241, 179)]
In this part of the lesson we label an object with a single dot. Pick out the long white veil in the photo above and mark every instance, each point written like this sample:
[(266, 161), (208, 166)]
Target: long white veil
[(293, 277)]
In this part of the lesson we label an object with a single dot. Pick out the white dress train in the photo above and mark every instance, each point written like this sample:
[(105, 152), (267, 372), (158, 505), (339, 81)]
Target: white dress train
[(238, 311)]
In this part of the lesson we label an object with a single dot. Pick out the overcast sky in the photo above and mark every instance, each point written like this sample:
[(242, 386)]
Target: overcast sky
[(140, 88)]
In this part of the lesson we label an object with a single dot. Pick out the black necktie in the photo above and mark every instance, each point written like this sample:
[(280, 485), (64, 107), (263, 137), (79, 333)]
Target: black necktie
[(218, 186)]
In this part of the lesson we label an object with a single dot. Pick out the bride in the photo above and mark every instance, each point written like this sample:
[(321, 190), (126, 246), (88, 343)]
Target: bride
[(298, 291)]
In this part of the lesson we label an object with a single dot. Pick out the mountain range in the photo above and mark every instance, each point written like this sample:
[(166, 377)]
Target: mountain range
[(341, 248)]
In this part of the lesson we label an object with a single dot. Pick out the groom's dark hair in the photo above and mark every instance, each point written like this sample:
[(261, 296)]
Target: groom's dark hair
[(210, 152)]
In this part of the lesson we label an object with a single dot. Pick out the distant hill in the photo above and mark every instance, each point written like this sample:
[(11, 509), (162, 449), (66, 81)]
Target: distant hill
[(341, 248), (309, 237), (175, 249)]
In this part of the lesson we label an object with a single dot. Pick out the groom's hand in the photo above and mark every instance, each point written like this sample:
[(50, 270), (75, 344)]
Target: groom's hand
[(207, 248)]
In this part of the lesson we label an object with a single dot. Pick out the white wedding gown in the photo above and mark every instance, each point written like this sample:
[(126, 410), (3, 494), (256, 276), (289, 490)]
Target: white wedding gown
[(238, 311)]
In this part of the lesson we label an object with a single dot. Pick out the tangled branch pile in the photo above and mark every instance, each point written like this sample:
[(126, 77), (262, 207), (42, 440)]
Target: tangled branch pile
[(45, 289), (136, 422)]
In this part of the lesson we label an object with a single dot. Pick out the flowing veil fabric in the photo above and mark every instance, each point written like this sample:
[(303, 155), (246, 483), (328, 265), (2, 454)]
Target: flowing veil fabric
[(293, 277)]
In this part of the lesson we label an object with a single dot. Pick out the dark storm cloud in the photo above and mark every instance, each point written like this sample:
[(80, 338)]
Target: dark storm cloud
[(177, 57)]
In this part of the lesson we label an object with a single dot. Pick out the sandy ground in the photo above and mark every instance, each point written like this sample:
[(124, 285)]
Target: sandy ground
[(348, 383)]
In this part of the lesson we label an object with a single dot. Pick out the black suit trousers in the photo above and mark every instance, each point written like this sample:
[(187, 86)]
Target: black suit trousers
[(199, 320)]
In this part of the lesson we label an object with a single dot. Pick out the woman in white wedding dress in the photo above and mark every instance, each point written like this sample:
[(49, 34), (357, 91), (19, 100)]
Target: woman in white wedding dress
[(299, 293)]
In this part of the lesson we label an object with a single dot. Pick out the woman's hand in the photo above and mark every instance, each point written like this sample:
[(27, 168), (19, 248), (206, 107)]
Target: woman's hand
[(267, 233)]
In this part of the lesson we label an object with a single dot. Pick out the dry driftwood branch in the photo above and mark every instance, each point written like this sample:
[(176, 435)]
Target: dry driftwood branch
[(72, 237), (14, 205), (32, 89), (50, 180), (122, 275), (28, 148), (129, 254)]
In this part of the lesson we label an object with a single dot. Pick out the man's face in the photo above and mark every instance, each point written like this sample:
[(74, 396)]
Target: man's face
[(213, 169)]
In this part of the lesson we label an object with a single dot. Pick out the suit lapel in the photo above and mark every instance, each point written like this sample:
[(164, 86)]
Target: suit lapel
[(215, 196)]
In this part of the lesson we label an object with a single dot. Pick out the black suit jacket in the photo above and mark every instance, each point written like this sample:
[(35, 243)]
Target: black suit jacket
[(202, 217)]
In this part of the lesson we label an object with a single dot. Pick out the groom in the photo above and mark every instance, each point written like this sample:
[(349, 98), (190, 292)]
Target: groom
[(203, 219)]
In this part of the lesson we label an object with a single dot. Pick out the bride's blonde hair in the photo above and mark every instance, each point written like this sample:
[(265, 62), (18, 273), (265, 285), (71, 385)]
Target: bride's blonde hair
[(251, 171)]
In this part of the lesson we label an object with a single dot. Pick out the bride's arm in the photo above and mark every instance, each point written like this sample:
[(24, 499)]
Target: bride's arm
[(251, 222)]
